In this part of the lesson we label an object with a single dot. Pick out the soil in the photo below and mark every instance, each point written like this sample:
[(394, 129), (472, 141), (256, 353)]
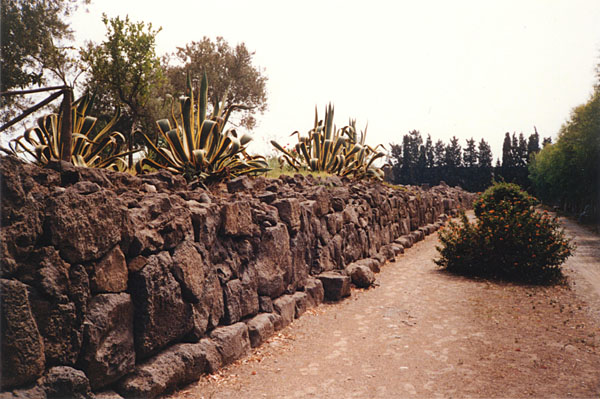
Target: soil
[(426, 333)]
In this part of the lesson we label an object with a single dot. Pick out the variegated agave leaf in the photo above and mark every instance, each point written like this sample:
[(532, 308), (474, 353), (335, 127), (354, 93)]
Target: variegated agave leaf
[(198, 146), (89, 147)]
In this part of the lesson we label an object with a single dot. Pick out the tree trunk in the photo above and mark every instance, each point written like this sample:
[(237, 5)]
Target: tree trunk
[(66, 129), (130, 144)]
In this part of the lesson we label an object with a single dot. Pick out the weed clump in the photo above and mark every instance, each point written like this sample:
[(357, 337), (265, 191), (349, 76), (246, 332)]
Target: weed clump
[(510, 240)]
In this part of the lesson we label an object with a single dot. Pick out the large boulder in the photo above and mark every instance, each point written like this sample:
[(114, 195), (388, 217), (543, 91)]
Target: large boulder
[(108, 352), (23, 358), (161, 315)]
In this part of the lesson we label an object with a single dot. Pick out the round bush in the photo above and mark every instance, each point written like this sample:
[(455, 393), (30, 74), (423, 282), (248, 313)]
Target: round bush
[(509, 240)]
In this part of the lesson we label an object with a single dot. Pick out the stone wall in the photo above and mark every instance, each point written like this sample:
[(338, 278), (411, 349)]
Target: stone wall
[(114, 283)]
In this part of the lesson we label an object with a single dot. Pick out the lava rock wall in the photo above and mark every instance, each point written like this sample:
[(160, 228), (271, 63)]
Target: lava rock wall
[(114, 283)]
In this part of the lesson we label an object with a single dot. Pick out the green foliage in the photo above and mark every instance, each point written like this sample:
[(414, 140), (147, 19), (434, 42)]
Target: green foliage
[(338, 151), (90, 147), (233, 79), (124, 69), (32, 32), (509, 240), (197, 146), (567, 172)]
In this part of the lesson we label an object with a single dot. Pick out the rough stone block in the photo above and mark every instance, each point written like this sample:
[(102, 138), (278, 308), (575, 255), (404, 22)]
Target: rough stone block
[(232, 342), (108, 352), (260, 327), (285, 306), (301, 300), (175, 366), (110, 273), (161, 315), (66, 382), (361, 275), (336, 286), (237, 219), (23, 358), (289, 212), (315, 292)]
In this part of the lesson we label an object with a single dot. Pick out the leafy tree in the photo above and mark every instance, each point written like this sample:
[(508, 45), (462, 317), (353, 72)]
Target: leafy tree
[(567, 172), (521, 151), (124, 68), (396, 155), (484, 155), (546, 141), (453, 156), (533, 144), (34, 35), (439, 151), (234, 80), (429, 153), (507, 152), (470, 154)]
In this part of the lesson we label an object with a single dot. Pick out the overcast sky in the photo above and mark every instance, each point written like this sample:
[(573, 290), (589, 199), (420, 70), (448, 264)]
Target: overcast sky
[(446, 68)]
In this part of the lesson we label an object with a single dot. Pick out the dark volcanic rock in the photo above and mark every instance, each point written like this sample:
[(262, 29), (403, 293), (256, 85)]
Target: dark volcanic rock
[(85, 227), (110, 273), (241, 300), (161, 222), (23, 357), (285, 306), (237, 219), (260, 327), (361, 275), (161, 315), (315, 292), (273, 261), (232, 342), (188, 269), (336, 286), (66, 382), (60, 327), (173, 367), (108, 352)]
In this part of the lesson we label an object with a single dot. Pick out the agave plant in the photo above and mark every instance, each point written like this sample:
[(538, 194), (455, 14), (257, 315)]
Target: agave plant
[(332, 150), (197, 146), (89, 148)]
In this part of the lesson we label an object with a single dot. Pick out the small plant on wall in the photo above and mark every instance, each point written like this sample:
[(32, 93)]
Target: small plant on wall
[(509, 240), (328, 149)]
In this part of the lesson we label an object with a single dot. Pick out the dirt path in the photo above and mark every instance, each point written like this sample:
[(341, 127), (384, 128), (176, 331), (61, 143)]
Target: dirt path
[(425, 333)]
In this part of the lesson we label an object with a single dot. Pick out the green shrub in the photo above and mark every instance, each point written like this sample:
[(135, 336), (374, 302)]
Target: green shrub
[(509, 240)]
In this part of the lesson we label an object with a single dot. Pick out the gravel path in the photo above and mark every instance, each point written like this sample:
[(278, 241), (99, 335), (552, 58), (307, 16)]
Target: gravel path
[(425, 333)]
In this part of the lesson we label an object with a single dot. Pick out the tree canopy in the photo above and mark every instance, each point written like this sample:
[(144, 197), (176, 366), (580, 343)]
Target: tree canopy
[(567, 172), (232, 76), (34, 36)]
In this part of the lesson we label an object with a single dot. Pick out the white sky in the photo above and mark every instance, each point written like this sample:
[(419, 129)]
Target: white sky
[(464, 68)]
